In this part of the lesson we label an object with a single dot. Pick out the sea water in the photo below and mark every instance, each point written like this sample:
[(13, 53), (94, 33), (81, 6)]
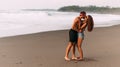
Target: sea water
[(22, 22)]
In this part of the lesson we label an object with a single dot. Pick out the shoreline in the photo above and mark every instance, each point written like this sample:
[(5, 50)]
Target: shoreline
[(54, 31)]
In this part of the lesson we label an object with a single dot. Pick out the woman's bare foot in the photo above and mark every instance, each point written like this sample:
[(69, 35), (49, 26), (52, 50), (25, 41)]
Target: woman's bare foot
[(67, 59), (74, 58), (79, 59)]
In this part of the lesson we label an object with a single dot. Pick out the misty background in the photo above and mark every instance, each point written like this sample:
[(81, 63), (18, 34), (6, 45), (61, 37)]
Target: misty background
[(19, 17), (53, 4)]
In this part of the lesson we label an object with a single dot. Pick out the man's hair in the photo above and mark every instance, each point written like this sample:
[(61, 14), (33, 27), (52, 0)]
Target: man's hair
[(82, 12)]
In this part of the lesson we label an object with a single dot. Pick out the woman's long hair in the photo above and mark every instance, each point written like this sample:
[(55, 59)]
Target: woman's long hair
[(90, 25)]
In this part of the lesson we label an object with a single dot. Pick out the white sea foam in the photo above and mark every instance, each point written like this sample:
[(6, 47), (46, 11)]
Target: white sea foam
[(27, 22)]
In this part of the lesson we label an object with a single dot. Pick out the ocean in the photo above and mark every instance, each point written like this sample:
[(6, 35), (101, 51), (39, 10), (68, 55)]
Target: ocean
[(22, 22)]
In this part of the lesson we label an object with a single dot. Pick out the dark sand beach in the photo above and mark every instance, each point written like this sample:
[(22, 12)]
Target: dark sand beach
[(101, 49)]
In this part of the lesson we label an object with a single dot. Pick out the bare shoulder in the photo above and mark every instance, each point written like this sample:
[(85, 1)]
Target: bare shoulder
[(76, 19)]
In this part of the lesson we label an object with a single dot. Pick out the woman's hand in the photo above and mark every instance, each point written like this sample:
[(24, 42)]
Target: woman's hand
[(80, 30)]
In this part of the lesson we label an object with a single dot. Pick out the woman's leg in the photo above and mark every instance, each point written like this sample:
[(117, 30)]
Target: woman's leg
[(79, 47), (68, 50)]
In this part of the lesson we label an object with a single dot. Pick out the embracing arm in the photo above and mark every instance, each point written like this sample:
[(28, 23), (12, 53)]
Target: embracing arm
[(82, 28), (84, 24)]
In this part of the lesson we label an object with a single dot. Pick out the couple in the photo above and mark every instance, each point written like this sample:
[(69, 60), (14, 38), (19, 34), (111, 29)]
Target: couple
[(76, 35)]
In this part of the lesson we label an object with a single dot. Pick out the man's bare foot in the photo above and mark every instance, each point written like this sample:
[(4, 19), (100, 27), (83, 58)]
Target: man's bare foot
[(67, 59)]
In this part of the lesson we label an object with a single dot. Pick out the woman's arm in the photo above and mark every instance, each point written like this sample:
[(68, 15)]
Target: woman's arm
[(84, 24), (82, 28)]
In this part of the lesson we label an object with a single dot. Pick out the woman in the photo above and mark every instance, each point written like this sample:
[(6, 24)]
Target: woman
[(89, 23)]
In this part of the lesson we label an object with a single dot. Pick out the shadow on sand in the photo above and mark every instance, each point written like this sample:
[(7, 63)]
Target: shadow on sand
[(89, 59)]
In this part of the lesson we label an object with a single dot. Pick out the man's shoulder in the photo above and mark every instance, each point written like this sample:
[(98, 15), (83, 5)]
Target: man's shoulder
[(77, 18)]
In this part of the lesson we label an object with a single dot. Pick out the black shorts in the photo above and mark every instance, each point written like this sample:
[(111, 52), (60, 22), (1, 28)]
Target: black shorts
[(73, 36)]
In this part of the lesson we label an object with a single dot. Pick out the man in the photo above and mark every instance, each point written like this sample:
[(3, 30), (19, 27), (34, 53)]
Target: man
[(76, 36)]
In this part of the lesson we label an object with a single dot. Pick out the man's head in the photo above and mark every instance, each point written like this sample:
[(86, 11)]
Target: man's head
[(82, 14)]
